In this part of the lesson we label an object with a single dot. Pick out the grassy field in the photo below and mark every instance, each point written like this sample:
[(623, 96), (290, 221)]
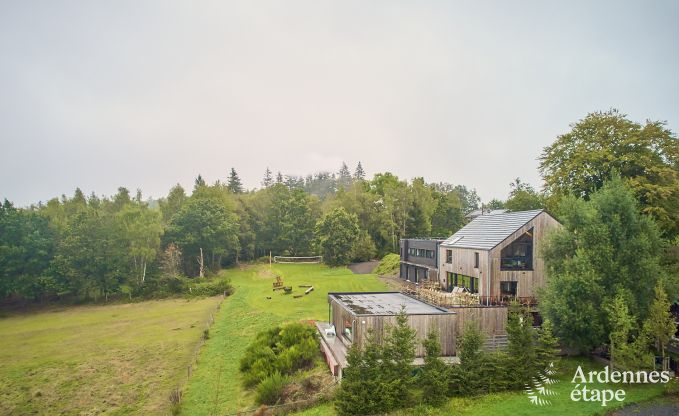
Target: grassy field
[(517, 403), (215, 387), (116, 359)]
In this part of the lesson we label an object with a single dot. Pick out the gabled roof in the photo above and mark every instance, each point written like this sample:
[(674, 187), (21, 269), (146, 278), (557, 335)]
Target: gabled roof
[(487, 231)]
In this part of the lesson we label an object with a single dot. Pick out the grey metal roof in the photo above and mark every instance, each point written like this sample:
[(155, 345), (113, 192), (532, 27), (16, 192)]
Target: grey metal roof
[(384, 303), (486, 231)]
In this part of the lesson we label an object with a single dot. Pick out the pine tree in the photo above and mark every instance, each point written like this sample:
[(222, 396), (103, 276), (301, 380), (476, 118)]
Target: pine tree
[(279, 177), (268, 178), (521, 348), (359, 173), (359, 392), (467, 375), (434, 380), (344, 176), (547, 345), (234, 184), (398, 356), (200, 182), (660, 326)]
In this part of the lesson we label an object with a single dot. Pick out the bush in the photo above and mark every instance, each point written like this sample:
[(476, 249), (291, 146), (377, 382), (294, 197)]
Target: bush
[(281, 349), (210, 287), (389, 265), (270, 390)]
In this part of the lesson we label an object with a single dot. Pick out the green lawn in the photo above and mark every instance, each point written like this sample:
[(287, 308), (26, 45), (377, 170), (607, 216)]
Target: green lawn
[(215, 387), (118, 359)]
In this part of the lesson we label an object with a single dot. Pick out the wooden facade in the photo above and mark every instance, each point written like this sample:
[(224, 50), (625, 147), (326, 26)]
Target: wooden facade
[(492, 321), (360, 324), (488, 266)]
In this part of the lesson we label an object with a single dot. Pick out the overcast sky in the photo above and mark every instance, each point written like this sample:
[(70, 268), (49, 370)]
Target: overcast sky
[(145, 94)]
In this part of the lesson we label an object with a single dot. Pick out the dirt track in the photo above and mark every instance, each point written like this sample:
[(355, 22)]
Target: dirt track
[(365, 267)]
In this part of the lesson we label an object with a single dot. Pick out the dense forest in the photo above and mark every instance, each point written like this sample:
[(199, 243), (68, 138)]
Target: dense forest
[(93, 246)]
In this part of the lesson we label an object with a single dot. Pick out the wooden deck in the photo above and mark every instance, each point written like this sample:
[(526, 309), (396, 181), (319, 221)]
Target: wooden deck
[(333, 349)]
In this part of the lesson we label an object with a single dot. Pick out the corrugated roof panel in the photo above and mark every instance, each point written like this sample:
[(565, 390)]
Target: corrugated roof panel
[(487, 231)]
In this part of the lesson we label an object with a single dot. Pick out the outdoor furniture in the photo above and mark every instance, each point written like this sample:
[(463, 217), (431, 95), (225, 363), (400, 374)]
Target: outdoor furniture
[(278, 283), (330, 332)]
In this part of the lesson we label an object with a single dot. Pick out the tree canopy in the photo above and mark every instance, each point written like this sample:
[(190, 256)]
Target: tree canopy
[(646, 156)]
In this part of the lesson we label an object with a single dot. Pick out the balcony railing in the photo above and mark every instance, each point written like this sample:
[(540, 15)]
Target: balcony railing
[(516, 263)]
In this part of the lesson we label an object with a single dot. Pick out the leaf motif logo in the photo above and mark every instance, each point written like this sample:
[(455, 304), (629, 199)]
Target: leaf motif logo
[(537, 391)]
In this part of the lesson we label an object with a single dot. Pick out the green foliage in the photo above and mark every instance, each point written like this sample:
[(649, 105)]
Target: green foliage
[(546, 346), (466, 379), (234, 185), (211, 287), (434, 378), (26, 249), (604, 247), (629, 347), (206, 224), (521, 347), (388, 265), (271, 388), (523, 197), (660, 326), (379, 377), (336, 234), (647, 157), (281, 349), (364, 248)]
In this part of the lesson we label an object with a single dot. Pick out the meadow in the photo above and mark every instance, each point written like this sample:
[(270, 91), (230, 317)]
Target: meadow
[(215, 387), (115, 359)]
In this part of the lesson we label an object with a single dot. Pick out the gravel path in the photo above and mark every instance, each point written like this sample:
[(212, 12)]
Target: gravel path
[(365, 267), (660, 407)]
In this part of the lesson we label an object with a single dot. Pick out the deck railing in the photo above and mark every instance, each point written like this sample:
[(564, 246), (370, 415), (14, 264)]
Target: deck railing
[(430, 292)]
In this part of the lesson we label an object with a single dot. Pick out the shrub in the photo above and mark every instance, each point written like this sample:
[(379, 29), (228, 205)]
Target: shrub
[(210, 287), (281, 349), (270, 390), (389, 265)]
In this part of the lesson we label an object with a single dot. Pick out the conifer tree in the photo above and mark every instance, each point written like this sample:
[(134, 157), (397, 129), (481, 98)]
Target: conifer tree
[(521, 348), (434, 373), (547, 345), (268, 178), (199, 182), (359, 173), (234, 185), (659, 327), (398, 356)]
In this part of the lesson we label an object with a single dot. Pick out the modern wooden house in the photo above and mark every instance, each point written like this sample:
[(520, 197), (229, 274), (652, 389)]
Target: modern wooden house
[(352, 315), (497, 256), (419, 259)]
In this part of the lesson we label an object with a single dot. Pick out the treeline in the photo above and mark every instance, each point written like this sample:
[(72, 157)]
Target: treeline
[(90, 246)]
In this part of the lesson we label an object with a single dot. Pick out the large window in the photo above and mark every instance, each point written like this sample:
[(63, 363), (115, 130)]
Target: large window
[(460, 280), (519, 254)]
